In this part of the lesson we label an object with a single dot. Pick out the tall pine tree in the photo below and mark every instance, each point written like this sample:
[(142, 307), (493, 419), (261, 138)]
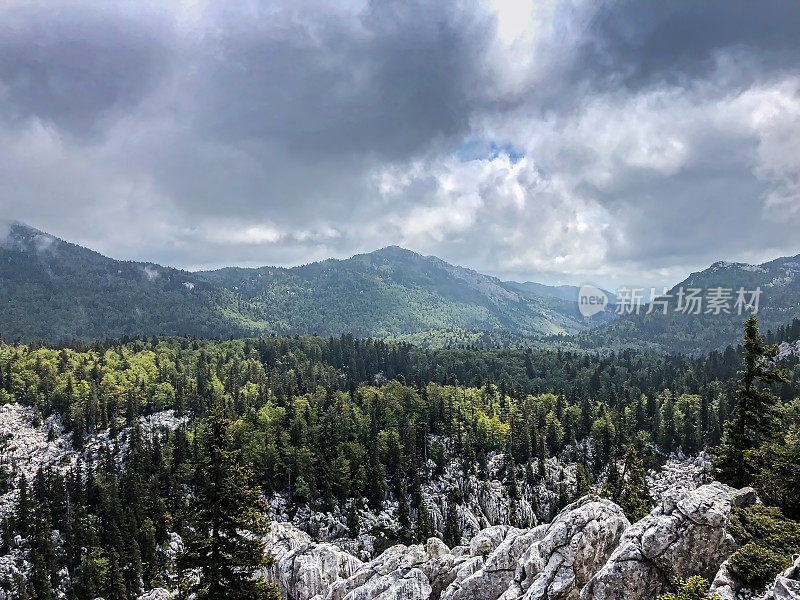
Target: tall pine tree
[(225, 518), (756, 420)]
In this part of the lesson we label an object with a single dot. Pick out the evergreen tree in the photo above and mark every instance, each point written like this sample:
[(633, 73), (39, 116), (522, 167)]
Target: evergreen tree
[(582, 486), (633, 495), (404, 520), (452, 533), (224, 519), (424, 526), (353, 521), (756, 418)]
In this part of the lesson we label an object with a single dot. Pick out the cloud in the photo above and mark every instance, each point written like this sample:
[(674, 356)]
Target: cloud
[(562, 140)]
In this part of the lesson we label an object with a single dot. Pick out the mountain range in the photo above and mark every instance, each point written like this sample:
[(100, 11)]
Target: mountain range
[(53, 290), (687, 333)]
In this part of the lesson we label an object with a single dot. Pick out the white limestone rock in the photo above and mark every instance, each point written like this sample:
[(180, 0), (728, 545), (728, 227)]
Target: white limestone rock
[(304, 569), (685, 535), (572, 549)]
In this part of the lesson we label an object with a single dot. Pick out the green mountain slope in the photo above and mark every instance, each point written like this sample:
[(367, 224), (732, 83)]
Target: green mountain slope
[(51, 289), (676, 332), (393, 292)]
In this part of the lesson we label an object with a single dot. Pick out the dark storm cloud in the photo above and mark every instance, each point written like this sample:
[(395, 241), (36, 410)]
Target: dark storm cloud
[(648, 138), (640, 44), (72, 65), (384, 83)]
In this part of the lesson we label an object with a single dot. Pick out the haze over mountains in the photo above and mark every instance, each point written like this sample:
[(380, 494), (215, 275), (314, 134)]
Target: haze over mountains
[(53, 290)]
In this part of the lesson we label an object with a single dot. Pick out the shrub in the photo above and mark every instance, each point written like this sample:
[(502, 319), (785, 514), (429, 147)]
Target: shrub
[(757, 565), (694, 588), (768, 541)]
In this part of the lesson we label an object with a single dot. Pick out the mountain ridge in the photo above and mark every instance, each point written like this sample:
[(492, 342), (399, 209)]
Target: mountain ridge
[(779, 303), (52, 289)]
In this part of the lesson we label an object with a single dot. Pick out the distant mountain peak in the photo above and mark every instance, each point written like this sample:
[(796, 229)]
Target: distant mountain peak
[(16, 235), (395, 251)]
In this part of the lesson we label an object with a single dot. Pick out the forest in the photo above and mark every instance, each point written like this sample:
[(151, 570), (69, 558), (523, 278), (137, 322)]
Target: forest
[(343, 423)]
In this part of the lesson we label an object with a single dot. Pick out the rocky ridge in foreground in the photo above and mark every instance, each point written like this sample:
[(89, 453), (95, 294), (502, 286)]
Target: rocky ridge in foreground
[(589, 552)]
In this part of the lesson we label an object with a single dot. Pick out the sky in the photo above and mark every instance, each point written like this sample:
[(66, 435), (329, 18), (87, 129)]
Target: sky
[(623, 143)]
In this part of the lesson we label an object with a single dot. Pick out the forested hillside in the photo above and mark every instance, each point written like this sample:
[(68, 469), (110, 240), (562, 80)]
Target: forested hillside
[(687, 333), (53, 290)]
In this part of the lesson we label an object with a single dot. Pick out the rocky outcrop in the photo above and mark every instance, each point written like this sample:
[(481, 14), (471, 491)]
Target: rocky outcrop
[(489, 578), (685, 535), (484, 502), (304, 569), (397, 571), (550, 561), (574, 546), (679, 471)]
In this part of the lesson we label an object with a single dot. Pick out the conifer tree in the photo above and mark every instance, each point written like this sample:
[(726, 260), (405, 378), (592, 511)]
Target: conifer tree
[(633, 495), (452, 533), (756, 418), (424, 526), (225, 517), (353, 521), (582, 486)]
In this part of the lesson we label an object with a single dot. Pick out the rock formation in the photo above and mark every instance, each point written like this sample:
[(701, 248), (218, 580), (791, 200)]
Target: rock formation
[(685, 535)]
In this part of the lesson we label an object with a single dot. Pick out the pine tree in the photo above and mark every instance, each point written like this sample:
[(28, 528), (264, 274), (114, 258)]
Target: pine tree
[(632, 495), (756, 418), (225, 518), (353, 520), (404, 520), (115, 585), (452, 533), (424, 525), (22, 515), (582, 486)]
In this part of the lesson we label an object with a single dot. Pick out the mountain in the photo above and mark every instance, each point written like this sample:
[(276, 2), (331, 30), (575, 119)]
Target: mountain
[(676, 332), (564, 292), (51, 289)]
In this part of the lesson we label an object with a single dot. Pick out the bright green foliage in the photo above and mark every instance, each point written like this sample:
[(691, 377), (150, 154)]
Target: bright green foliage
[(312, 420), (693, 588), (225, 518), (768, 540), (757, 417)]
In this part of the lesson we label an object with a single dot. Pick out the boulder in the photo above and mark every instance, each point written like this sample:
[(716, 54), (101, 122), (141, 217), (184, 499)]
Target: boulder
[(488, 580), (685, 535), (572, 548), (725, 584), (745, 497), (303, 568)]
